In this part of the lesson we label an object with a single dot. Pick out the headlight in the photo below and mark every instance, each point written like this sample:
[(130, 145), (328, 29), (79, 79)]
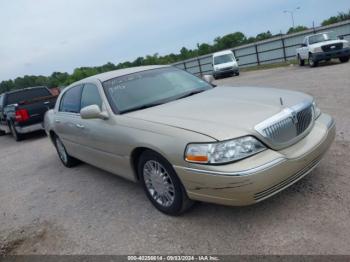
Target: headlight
[(223, 152), (317, 49), (317, 110)]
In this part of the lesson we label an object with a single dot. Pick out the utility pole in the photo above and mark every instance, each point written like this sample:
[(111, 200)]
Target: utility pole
[(291, 12)]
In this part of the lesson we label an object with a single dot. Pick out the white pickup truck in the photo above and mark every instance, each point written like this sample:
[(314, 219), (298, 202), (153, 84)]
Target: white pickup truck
[(323, 46)]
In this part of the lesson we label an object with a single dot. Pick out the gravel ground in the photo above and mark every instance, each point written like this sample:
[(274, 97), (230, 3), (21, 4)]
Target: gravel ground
[(48, 209)]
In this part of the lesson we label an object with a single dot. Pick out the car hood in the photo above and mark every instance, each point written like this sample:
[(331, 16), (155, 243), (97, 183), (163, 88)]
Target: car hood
[(225, 65), (222, 112), (329, 42)]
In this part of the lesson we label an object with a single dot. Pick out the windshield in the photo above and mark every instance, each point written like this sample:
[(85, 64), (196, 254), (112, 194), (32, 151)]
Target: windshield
[(322, 37), (223, 59), (152, 87)]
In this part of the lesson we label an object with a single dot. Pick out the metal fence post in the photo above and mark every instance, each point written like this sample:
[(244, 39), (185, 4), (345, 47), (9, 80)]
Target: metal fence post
[(284, 49), (200, 66), (257, 54), (185, 66)]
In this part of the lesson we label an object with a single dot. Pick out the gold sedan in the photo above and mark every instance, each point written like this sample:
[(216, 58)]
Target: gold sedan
[(185, 140)]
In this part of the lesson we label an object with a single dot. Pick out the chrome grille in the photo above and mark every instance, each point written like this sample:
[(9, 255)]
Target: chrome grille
[(304, 119), (288, 126)]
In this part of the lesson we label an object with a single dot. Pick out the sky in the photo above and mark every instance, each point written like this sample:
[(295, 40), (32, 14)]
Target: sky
[(38, 37)]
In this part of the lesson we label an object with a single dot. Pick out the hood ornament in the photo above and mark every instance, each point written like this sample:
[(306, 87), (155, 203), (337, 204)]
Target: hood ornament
[(281, 101)]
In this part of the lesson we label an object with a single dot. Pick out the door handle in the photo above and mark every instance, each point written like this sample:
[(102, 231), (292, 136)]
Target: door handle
[(46, 102), (57, 121), (79, 126)]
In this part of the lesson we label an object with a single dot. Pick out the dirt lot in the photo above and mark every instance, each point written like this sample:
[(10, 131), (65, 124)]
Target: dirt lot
[(48, 209)]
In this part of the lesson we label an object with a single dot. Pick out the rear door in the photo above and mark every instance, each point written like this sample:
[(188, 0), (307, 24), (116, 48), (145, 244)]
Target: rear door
[(67, 119), (1, 109)]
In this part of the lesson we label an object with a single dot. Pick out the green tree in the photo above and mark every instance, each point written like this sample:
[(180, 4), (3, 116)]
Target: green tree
[(299, 28), (263, 36), (342, 16)]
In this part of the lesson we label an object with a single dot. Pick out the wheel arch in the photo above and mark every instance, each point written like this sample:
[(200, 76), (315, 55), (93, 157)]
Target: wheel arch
[(136, 154)]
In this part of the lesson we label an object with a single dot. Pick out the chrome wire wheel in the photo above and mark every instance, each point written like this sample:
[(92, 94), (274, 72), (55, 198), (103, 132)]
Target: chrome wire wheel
[(61, 151), (159, 183)]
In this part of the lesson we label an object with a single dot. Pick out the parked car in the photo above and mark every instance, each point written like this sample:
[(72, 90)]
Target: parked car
[(185, 140), (22, 111), (224, 63), (323, 46)]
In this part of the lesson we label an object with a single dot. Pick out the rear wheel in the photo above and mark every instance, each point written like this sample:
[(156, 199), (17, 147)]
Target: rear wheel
[(312, 62), (161, 184), (65, 158), (2, 133), (301, 62), (344, 59), (15, 134)]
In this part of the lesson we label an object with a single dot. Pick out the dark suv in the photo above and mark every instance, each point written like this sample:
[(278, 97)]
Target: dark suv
[(22, 111)]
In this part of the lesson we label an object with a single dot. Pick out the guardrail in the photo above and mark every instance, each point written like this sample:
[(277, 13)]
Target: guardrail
[(273, 50)]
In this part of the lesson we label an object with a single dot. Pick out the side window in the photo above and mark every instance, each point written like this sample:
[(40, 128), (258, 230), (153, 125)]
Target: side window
[(70, 101), (90, 96), (1, 100)]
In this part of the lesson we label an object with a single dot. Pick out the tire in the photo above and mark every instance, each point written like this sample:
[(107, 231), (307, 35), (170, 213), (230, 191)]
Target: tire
[(2, 133), (344, 59), (65, 158), (301, 62), (161, 184), (18, 137), (312, 62), (237, 73)]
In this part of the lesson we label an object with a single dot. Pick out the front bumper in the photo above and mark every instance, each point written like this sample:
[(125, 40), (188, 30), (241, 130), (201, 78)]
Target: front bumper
[(258, 177), (226, 71), (332, 54), (29, 129)]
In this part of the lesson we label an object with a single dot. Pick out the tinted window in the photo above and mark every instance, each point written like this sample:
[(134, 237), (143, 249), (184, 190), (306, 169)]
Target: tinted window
[(27, 95), (1, 100), (71, 100), (90, 96)]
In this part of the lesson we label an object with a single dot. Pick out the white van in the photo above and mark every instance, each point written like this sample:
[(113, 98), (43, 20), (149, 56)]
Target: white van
[(224, 63)]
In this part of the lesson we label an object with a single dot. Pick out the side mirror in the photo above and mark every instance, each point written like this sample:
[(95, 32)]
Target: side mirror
[(93, 112), (237, 59), (341, 37), (208, 78), (303, 45)]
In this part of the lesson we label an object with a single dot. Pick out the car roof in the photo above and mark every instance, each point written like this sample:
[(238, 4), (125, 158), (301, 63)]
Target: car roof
[(23, 89), (321, 33), (226, 52), (120, 72)]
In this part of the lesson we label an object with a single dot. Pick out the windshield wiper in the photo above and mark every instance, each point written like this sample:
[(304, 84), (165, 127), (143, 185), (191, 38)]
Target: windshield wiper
[(191, 93), (142, 107)]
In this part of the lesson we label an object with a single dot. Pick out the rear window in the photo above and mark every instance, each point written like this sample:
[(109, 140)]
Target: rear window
[(27, 95)]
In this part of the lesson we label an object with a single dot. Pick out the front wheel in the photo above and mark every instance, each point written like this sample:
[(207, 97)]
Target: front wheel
[(312, 62), (301, 62), (161, 184), (344, 59)]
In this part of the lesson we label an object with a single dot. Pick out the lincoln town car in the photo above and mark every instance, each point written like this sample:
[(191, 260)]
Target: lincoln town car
[(185, 139)]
